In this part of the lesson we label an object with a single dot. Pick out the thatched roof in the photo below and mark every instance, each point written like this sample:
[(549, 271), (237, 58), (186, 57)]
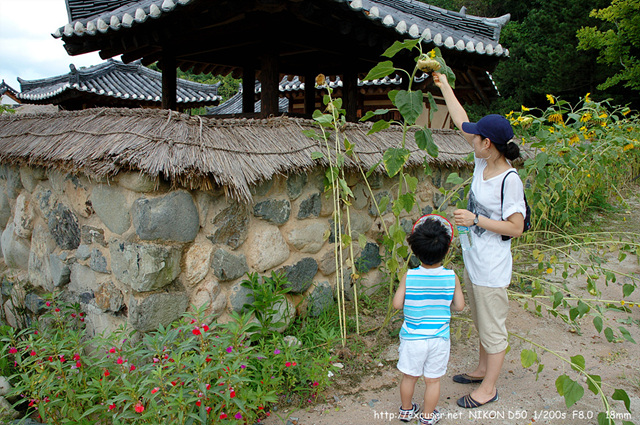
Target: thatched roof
[(195, 152)]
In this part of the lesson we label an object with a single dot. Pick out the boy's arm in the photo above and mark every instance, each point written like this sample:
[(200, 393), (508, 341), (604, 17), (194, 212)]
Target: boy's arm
[(457, 304), (398, 298)]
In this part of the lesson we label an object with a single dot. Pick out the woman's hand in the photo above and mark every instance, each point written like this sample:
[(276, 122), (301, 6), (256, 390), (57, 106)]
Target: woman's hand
[(440, 80), (463, 218)]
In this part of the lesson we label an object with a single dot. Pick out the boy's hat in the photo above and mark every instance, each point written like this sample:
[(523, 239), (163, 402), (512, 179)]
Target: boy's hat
[(494, 127), (436, 217)]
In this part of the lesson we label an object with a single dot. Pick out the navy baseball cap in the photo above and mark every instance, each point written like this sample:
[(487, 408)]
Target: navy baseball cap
[(494, 127)]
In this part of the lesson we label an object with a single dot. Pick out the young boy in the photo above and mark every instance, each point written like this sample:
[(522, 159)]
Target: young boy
[(427, 294)]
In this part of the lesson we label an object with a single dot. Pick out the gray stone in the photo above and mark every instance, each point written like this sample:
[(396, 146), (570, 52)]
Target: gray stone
[(427, 210), (42, 244), (98, 323), (266, 248), (310, 207), (57, 180), (407, 225), (376, 180), (378, 197), (144, 267), (232, 226), (109, 298), (34, 303), (203, 202), (147, 312), (90, 234), (300, 275), (6, 288), (369, 258), (360, 224), (59, 268), (7, 411), (24, 215), (285, 313), (83, 252), (310, 238), (295, 185), (197, 261), (239, 296), (320, 299), (63, 225), (82, 279), (14, 184), (31, 176), (227, 266), (98, 262), (173, 217), (209, 296), (262, 188), (110, 204), (276, 211), (5, 386), (137, 182), (361, 196), (14, 249), (46, 200), (391, 354), (5, 209)]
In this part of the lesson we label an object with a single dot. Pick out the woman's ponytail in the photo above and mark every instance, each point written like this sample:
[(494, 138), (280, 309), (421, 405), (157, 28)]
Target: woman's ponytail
[(511, 151)]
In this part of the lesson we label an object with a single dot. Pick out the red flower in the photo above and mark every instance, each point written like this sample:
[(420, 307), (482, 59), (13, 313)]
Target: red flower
[(57, 310), (155, 390), (132, 368), (139, 407), (196, 331), (198, 403), (223, 416), (78, 364), (260, 408), (208, 386), (208, 409), (294, 364), (287, 364), (33, 352), (120, 360), (50, 358), (112, 350), (13, 350), (106, 372), (205, 328), (174, 383), (232, 394), (208, 359), (62, 359), (73, 315), (48, 304), (76, 357), (112, 406)]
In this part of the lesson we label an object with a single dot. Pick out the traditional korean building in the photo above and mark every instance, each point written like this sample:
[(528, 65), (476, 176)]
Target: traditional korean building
[(268, 39), (8, 95), (113, 84)]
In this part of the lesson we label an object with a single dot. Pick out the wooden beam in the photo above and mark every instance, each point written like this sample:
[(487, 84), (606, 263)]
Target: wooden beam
[(350, 90), (248, 89), (169, 80), (478, 87), (269, 80), (309, 93)]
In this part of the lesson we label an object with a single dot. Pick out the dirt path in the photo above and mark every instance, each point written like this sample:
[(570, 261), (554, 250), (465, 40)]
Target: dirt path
[(523, 399)]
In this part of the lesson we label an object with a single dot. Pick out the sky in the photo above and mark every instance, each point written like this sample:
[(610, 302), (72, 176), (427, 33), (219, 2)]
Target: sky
[(27, 48)]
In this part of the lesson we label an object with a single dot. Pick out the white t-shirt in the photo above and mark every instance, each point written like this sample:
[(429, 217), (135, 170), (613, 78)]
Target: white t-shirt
[(489, 261)]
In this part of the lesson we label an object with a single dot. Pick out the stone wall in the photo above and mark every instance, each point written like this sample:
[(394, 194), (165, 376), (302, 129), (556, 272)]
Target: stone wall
[(138, 255)]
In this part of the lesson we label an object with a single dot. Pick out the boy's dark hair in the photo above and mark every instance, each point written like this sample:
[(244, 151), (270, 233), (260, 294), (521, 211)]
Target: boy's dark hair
[(430, 242)]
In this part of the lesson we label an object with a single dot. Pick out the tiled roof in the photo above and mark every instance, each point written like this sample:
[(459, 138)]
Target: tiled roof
[(452, 30), (114, 79), (234, 106), (4, 87)]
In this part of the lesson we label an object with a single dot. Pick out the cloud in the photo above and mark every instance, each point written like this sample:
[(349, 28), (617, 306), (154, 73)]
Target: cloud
[(27, 48)]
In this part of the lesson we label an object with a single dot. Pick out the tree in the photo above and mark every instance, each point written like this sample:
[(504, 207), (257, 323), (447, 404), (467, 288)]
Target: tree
[(618, 42)]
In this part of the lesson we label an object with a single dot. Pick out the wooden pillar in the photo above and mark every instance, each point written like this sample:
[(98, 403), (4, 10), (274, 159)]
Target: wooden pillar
[(350, 93), (248, 89), (309, 93), (269, 79), (169, 80)]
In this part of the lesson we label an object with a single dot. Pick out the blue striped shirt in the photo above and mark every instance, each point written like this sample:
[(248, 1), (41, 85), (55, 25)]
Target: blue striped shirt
[(427, 303)]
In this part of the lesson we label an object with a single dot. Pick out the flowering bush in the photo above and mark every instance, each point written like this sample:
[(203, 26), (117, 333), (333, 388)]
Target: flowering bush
[(583, 154), (191, 372)]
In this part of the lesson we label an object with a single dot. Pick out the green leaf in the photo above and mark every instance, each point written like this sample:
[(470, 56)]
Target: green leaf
[(317, 155), (621, 395), (528, 358), (557, 299), (312, 134), (407, 201), (371, 114), (597, 323), (383, 203), (455, 179), (627, 289), (608, 333), (323, 119), (392, 97), (603, 419), (433, 106), (424, 140), (400, 45), (394, 159), (570, 389), (409, 104), (412, 183), (381, 70), (594, 384), (379, 126), (625, 333), (362, 240), (577, 363)]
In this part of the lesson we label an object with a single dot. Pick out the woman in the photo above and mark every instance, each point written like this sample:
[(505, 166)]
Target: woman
[(489, 216)]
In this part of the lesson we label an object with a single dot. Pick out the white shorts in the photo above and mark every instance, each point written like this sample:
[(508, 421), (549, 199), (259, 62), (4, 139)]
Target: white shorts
[(424, 357)]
